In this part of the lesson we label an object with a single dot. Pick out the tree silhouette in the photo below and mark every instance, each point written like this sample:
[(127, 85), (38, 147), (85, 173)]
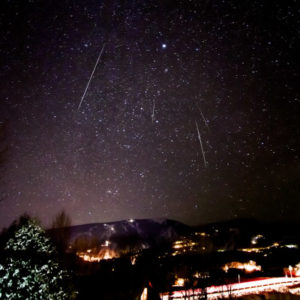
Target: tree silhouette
[(3, 154), (61, 232)]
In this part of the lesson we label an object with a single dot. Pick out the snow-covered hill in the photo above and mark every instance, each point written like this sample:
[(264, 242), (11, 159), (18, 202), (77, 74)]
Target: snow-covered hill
[(141, 233)]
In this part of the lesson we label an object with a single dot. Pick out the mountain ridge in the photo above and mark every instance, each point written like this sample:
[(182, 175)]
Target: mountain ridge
[(144, 232)]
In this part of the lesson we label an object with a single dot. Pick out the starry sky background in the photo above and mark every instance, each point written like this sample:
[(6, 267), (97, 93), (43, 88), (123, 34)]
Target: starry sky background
[(132, 149)]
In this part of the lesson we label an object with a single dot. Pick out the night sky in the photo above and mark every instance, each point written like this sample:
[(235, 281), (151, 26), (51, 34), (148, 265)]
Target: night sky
[(174, 77)]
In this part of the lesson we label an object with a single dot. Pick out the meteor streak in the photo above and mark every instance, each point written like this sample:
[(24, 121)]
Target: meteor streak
[(201, 145), (153, 111), (88, 84)]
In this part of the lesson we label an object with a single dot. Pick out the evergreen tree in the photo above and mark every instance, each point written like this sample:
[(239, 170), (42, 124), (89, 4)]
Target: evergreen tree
[(30, 269)]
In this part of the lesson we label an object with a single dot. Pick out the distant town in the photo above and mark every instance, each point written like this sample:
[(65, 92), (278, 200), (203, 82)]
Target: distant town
[(165, 259)]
